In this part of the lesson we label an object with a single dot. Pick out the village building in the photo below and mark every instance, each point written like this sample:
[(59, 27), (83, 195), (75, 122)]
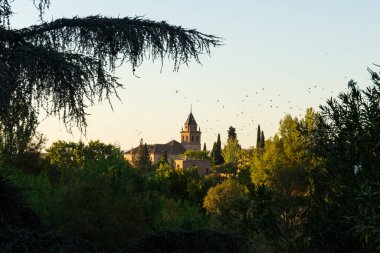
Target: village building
[(203, 166), (190, 140), (173, 148)]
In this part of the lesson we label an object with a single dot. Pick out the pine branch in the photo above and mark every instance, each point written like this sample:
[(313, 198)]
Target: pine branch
[(118, 39), (60, 83)]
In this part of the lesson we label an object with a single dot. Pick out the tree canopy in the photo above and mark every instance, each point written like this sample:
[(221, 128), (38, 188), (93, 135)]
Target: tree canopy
[(231, 133), (223, 199), (196, 155)]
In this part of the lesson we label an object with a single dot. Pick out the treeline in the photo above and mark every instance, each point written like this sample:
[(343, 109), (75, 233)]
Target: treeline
[(312, 187), (89, 191)]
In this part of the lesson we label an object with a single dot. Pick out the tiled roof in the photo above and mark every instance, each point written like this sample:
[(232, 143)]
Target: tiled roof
[(172, 147), (136, 150), (190, 120), (175, 147)]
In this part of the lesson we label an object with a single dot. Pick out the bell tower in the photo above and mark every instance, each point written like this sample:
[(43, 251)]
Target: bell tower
[(191, 134)]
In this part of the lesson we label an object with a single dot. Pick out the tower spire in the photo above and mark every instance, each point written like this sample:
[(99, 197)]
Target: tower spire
[(190, 135)]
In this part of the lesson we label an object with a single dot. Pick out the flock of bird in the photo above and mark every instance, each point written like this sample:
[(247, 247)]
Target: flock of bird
[(272, 104), (242, 112)]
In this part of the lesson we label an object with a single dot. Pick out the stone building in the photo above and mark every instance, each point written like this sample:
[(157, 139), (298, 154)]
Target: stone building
[(190, 140), (173, 148), (203, 166)]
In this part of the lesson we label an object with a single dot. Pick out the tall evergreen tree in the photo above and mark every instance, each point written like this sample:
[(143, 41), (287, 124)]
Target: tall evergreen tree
[(218, 152), (262, 140), (232, 133), (258, 138), (204, 147), (143, 159), (212, 154)]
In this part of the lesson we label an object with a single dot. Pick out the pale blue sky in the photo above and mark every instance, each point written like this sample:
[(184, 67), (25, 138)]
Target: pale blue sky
[(283, 46)]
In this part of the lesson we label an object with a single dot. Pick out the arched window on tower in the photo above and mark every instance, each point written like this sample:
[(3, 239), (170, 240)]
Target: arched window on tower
[(197, 138), (192, 138)]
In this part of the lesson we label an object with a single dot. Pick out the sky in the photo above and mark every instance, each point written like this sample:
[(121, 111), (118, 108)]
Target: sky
[(278, 57)]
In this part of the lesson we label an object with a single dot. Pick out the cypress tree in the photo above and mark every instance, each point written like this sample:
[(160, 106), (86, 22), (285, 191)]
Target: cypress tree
[(218, 151), (262, 140), (204, 147), (143, 159), (258, 137), (212, 155)]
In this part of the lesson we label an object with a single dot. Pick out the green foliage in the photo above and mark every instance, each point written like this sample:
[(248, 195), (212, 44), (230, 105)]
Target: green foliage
[(105, 208), (225, 202), (183, 215), (15, 131), (112, 206), (107, 213), (231, 151), (20, 143), (162, 160), (196, 155), (365, 218), (245, 158), (45, 198), (68, 158), (226, 168), (284, 163), (263, 213), (182, 184), (21, 230), (347, 139)]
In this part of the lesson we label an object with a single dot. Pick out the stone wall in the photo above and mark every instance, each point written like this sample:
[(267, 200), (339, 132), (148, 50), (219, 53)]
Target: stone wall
[(203, 166)]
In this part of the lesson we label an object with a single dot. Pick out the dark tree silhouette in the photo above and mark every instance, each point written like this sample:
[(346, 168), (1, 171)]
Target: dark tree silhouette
[(258, 138), (231, 133), (216, 152), (262, 140), (66, 65), (143, 159)]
